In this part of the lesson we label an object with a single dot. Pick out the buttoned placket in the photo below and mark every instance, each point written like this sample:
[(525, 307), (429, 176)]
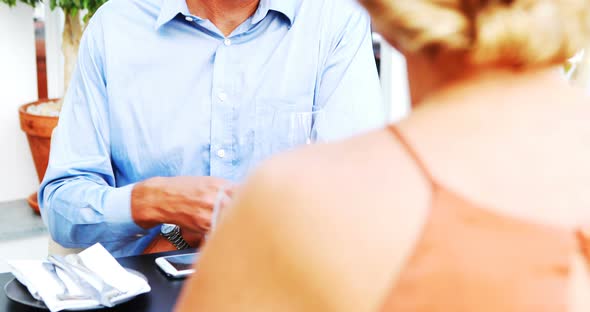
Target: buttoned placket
[(222, 108)]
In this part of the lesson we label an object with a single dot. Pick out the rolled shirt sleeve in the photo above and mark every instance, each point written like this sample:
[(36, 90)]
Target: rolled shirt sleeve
[(79, 198)]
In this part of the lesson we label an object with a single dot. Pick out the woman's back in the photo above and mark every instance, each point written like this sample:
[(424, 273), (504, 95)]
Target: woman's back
[(472, 258), (504, 162), (508, 170)]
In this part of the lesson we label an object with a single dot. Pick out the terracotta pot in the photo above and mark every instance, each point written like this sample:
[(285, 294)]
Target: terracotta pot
[(38, 130)]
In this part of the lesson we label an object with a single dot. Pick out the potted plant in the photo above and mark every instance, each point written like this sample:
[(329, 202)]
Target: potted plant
[(38, 119)]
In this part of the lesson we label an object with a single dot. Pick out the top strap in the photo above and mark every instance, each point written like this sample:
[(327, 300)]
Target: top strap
[(412, 153), (583, 238)]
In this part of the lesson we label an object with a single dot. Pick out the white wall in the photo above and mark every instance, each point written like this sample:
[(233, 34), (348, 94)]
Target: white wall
[(54, 21), (18, 85), (394, 82)]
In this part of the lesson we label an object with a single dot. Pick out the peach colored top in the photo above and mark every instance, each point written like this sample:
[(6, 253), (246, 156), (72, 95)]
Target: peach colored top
[(471, 259)]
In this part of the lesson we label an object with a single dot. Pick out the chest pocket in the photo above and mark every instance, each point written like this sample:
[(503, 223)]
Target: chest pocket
[(282, 123)]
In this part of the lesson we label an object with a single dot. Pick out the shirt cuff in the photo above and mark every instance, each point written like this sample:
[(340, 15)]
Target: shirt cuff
[(117, 212)]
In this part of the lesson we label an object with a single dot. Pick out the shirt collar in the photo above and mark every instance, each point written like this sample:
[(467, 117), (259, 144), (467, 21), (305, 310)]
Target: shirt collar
[(286, 7), (170, 8)]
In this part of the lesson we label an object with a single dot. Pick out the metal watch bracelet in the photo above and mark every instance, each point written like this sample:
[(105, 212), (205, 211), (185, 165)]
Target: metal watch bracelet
[(175, 237)]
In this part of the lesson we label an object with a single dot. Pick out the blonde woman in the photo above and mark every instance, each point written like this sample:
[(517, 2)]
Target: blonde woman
[(476, 202)]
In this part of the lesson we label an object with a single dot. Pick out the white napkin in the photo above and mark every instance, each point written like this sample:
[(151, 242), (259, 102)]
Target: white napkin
[(43, 285)]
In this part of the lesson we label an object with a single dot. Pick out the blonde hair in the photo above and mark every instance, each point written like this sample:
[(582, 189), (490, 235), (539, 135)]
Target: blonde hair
[(488, 32)]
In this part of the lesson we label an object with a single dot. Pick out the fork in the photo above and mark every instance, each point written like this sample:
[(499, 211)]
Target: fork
[(65, 295), (107, 291)]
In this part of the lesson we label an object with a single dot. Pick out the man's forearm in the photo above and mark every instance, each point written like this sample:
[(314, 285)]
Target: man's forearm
[(185, 201)]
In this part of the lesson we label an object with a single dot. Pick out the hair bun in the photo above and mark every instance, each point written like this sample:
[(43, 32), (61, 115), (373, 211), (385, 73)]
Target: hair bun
[(529, 32), (506, 32)]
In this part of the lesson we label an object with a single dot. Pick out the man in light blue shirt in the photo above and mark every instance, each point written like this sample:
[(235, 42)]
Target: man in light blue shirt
[(170, 96)]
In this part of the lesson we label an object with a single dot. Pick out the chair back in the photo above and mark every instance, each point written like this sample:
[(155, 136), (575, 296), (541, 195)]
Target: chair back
[(56, 249)]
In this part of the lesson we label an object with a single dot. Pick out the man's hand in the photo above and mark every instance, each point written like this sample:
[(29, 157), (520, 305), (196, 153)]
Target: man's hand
[(185, 201)]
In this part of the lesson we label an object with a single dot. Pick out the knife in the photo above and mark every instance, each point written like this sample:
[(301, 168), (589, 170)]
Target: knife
[(61, 263), (65, 294)]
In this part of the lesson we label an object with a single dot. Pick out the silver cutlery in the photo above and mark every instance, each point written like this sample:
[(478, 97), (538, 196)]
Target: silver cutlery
[(68, 268), (106, 290), (65, 294)]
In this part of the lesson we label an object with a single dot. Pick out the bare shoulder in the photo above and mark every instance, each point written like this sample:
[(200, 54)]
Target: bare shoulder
[(302, 177), (324, 228), (349, 212)]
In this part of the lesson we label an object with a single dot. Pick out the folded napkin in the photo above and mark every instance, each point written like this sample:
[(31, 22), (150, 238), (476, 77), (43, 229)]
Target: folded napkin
[(43, 285)]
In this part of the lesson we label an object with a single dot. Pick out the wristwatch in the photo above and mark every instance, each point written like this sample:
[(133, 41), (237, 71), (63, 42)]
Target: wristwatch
[(172, 233)]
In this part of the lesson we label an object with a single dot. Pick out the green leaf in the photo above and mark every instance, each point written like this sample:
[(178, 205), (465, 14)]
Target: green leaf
[(12, 3), (68, 6)]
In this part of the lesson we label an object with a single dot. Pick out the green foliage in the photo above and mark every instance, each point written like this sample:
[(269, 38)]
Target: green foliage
[(68, 6), (10, 3), (74, 6)]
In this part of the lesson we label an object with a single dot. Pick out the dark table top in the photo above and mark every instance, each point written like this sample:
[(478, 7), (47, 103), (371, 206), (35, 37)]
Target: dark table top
[(161, 299)]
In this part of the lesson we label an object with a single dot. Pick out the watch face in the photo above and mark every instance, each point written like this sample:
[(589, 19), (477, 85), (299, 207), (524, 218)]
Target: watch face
[(167, 228)]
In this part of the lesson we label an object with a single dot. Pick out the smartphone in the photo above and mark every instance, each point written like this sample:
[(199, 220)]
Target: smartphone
[(179, 265)]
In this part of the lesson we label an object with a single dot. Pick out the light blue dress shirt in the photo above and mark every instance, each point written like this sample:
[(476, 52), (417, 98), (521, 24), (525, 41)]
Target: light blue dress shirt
[(160, 92)]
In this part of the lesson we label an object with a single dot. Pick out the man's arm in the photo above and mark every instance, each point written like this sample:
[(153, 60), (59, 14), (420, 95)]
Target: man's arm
[(349, 89), (79, 198)]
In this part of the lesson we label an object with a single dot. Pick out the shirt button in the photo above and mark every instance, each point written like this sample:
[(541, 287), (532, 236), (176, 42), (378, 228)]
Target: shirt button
[(222, 96), (221, 153), (227, 42), (189, 19)]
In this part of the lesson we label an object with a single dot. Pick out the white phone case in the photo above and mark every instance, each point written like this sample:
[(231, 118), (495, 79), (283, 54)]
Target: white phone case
[(170, 270)]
